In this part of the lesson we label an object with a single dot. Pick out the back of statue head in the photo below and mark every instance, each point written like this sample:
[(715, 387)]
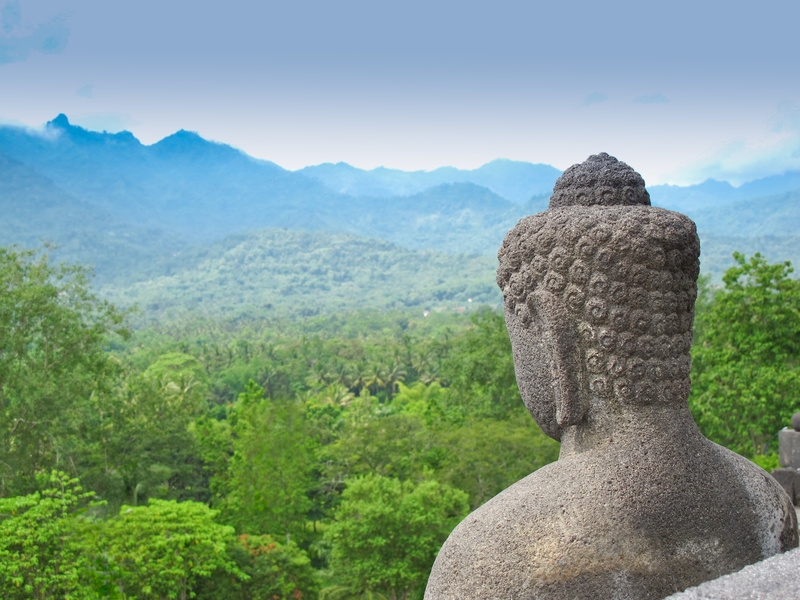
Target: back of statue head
[(599, 295)]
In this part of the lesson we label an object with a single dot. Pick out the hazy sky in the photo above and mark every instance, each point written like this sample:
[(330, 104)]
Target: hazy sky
[(681, 90)]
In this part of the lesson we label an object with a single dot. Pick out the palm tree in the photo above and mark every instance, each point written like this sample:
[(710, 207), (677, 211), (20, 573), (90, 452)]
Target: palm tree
[(395, 374), (375, 377), (337, 394)]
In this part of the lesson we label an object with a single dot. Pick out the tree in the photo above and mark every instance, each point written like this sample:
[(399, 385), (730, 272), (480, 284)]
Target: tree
[(392, 445), (746, 363), (480, 371), (485, 456), (276, 571), (421, 400), (182, 380), (52, 358), (139, 443), (164, 549), (386, 533), (272, 466), (41, 550)]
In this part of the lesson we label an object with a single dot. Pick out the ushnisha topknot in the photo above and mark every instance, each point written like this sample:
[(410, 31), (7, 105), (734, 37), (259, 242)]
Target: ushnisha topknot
[(601, 180)]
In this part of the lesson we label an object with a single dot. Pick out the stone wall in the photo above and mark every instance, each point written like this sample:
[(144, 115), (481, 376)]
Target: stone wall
[(775, 578)]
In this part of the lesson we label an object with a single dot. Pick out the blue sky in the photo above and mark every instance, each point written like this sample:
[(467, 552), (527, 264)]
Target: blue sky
[(681, 90)]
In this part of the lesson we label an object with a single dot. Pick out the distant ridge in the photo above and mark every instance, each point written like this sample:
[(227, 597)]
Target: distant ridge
[(36, 210), (61, 123), (276, 273), (514, 180), (132, 209), (777, 214), (712, 193)]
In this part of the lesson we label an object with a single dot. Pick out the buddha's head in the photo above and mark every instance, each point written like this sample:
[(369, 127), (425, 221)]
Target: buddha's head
[(599, 295)]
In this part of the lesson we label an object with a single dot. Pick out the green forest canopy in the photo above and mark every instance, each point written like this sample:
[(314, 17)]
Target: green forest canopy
[(277, 453)]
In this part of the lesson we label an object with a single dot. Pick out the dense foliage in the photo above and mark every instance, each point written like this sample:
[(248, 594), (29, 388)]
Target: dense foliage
[(386, 532), (52, 360), (746, 359), (325, 456), (279, 273), (42, 542), (236, 459)]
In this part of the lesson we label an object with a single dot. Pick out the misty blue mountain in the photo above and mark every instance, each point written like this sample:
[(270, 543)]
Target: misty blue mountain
[(514, 180), (144, 215)]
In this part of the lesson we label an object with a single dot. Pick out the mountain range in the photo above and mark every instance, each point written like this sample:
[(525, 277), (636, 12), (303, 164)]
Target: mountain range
[(138, 214)]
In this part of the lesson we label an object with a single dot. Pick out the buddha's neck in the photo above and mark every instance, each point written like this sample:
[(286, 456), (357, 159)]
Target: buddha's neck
[(632, 422)]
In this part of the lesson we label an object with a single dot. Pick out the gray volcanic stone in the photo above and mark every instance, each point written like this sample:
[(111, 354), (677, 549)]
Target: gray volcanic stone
[(600, 181), (796, 421), (771, 579), (789, 448), (599, 295), (789, 479)]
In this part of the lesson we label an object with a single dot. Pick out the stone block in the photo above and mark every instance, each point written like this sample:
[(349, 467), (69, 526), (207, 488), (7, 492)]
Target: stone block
[(789, 479), (789, 448), (771, 579)]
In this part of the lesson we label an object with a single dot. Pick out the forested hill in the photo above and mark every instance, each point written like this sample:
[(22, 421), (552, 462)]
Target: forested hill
[(278, 272), (776, 215), (35, 209), (136, 212)]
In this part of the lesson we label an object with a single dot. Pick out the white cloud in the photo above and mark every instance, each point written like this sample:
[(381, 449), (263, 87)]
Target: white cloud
[(18, 43), (48, 133), (594, 98), (10, 16), (775, 152)]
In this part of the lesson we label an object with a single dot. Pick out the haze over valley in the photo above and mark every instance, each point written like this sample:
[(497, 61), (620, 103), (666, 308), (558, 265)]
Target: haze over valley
[(186, 224)]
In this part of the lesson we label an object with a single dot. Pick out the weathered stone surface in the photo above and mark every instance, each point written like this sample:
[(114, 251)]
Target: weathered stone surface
[(789, 479), (771, 579), (796, 421), (789, 448), (599, 295)]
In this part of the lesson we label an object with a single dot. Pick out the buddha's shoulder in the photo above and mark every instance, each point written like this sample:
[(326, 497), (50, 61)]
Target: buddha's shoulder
[(592, 521), (524, 518), (554, 535)]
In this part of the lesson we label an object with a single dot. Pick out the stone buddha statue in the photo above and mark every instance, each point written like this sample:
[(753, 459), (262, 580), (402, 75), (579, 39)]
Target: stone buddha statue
[(599, 295)]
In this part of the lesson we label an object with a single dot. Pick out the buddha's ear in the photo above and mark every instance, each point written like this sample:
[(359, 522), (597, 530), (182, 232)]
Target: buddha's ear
[(565, 361), (570, 400)]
